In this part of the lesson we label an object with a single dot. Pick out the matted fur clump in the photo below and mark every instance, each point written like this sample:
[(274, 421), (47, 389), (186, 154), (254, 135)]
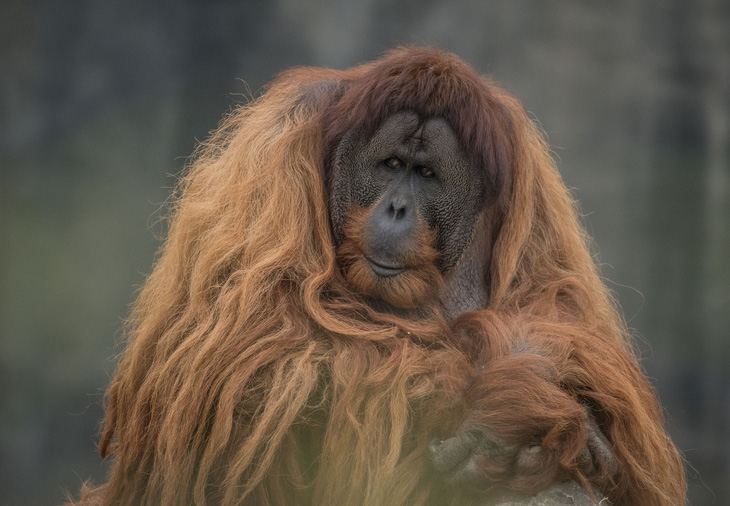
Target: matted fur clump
[(255, 374)]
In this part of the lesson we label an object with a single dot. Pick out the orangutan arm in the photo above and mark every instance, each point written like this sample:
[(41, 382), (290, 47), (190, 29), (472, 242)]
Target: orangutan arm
[(553, 401)]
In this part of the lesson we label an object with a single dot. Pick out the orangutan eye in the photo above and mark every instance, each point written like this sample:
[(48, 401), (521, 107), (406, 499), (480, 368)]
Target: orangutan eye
[(425, 172), (394, 163)]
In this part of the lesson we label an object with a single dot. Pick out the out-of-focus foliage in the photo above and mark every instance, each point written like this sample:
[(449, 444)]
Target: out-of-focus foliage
[(101, 103)]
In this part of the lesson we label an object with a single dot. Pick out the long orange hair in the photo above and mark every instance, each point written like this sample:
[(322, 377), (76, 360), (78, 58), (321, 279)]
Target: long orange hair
[(254, 374)]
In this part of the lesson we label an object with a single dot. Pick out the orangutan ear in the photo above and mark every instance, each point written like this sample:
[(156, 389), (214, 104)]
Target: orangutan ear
[(320, 95)]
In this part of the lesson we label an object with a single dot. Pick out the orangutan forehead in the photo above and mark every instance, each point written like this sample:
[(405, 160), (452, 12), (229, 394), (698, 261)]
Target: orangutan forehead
[(421, 137), (431, 84)]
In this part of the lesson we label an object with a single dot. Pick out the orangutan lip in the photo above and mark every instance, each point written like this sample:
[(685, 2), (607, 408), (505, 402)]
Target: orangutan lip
[(384, 271)]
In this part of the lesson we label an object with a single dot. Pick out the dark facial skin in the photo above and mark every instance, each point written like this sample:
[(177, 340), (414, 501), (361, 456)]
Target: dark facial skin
[(414, 169)]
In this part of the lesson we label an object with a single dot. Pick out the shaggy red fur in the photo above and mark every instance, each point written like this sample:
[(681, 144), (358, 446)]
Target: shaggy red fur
[(257, 373)]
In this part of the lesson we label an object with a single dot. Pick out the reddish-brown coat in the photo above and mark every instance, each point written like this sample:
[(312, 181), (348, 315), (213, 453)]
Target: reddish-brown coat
[(256, 374)]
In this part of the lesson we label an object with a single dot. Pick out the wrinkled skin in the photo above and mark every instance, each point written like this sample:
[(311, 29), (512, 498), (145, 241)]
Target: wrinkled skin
[(457, 458), (410, 169), (413, 171)]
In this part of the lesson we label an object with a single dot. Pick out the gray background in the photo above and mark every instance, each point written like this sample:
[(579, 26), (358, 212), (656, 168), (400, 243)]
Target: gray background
[(102, 101)]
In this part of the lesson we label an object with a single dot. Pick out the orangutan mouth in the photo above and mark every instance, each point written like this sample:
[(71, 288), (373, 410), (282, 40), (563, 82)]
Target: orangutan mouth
[(383, 270)]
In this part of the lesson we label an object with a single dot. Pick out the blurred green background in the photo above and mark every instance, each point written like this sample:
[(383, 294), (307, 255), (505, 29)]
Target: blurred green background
[(102, 102)]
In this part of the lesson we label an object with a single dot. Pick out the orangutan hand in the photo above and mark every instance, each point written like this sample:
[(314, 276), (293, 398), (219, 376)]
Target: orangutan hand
[(458, 459)]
